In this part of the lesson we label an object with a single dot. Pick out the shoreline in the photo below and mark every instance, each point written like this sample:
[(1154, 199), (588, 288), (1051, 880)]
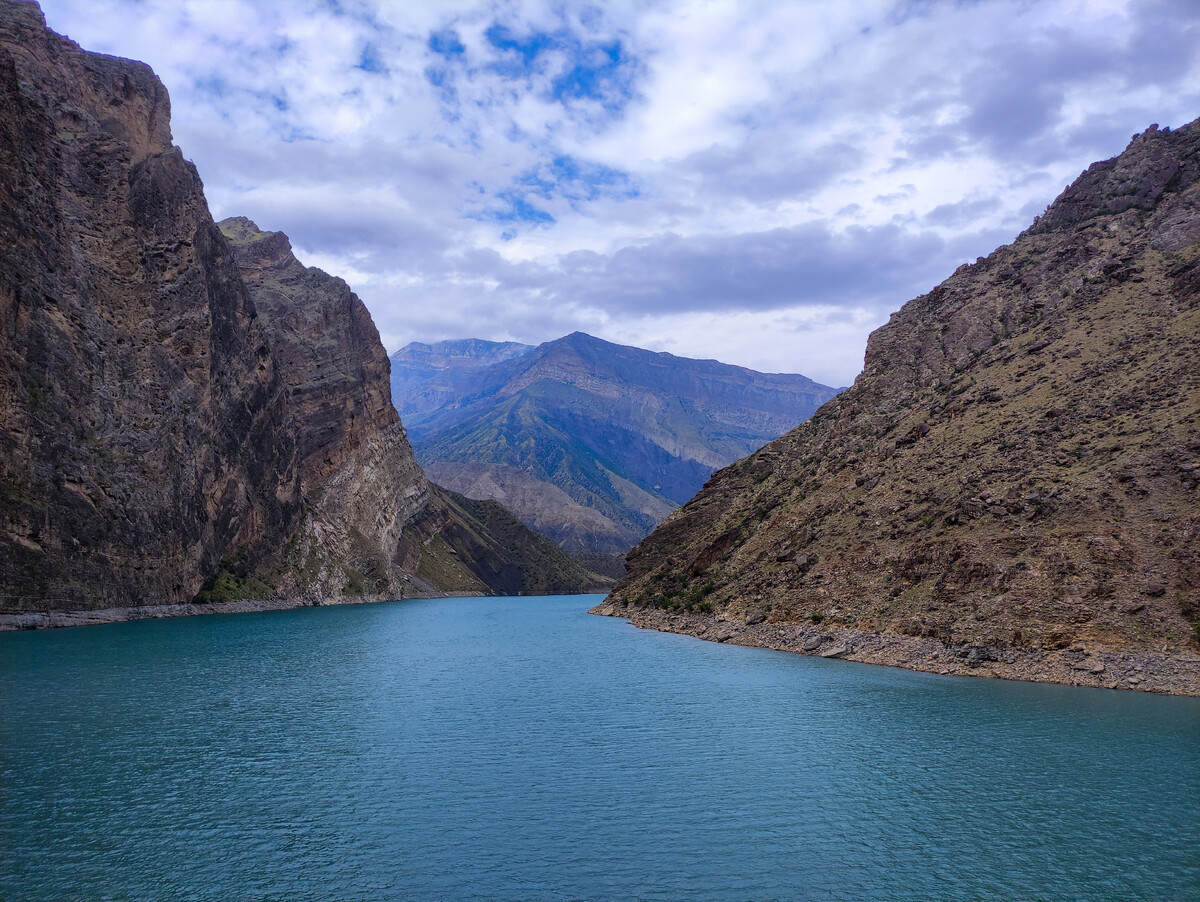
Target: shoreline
[(1097, 668), (36, 620)]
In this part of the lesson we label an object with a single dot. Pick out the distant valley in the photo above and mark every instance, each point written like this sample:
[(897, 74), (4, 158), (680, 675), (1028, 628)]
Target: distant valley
[(590, 443)]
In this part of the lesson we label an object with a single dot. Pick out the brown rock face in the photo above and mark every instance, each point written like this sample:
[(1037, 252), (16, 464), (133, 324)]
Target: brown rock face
[(373, 525), (173, 427), (1010, 486), (141, 415), (360, 480), (327, 348)]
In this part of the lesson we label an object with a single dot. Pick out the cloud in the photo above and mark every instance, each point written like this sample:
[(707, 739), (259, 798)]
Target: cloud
[(672, 174), (807, 264)]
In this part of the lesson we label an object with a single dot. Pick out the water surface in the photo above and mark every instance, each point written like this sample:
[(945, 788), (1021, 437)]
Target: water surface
[(520, 749)]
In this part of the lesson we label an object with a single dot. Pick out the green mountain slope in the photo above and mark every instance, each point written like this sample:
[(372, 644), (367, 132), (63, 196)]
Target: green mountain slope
[(616, 437)]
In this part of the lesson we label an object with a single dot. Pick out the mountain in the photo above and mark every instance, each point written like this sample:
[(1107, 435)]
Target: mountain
[(353, 454), (428, 377), (1012, 485), (591, 443), (162, 436)]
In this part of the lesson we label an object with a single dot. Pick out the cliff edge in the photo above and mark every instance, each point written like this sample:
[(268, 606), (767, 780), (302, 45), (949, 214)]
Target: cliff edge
[(1012, 485), (188, 417)]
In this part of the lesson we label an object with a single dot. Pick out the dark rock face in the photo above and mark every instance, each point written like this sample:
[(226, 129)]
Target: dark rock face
[(141, 416), (180, 417), (359, 478), (1016, 471), (373, 524), (589, 442), (327, 348)]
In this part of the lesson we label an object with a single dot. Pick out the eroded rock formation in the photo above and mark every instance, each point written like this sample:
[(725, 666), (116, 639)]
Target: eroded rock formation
[(1011, 485), (174, 425), (142, 420)]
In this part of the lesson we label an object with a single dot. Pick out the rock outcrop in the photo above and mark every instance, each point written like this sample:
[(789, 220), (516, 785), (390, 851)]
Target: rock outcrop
[(143, 423), (589, 442), (1011, 487), (372, 523), (180, 418)]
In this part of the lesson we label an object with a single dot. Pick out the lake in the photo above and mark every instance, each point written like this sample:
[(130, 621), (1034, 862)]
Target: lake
[(518, 748)]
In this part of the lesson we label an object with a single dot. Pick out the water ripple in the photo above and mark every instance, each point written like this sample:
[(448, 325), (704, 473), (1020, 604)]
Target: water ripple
[(520, 749)]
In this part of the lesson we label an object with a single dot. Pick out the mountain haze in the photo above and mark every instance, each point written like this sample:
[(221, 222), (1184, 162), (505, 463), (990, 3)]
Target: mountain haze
[(590, 442), (428, 377), (1011, 487)]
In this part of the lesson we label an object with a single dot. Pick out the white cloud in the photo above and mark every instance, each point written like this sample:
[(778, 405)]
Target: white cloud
[(756, 182)]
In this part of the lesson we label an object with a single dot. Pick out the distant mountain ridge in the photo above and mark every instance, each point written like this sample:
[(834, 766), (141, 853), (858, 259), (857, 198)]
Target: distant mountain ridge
[(428, 377), (590, 442)]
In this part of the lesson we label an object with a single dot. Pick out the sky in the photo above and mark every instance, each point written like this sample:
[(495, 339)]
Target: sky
[(762, 183)]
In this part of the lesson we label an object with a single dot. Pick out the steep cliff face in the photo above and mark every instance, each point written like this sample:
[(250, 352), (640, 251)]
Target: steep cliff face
[(1011, 485), (141, 415), (359, 479), (174, 427), (372, 523)]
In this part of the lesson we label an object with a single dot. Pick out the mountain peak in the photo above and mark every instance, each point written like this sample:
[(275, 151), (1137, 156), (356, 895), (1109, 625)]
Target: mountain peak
[(478, 349), (592, 442), (1156, 162), (255, 246)]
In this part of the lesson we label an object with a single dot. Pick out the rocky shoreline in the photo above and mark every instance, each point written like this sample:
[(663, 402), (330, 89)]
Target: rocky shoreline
[(1078, 665), (36, 620)]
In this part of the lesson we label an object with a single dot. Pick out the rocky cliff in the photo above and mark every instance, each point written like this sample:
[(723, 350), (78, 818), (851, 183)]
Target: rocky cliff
[(372, 524), (589, 442), (1010, 488), (142, 420), (166, 431)]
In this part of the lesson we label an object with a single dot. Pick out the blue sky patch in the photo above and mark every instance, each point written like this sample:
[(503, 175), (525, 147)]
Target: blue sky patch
[(518, 209), (597, 75), (579, 181), (446, 43), (370, 60), (559, 178), (594, 70), (502, 38)]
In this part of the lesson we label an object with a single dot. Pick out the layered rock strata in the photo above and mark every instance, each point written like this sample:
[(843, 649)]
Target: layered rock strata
[(1010, 488), (143, 423), (181, 418)]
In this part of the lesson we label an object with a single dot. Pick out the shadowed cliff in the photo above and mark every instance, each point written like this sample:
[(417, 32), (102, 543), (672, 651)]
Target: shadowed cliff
[(166, 431)]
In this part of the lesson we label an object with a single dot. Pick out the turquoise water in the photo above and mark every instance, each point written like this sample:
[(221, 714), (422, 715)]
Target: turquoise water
[(520, 749)]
